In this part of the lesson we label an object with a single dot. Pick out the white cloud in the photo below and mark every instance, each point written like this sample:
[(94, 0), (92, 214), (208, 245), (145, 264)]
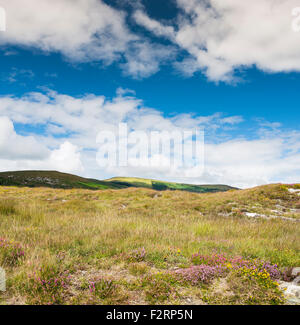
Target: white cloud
[(66, 158), (253, 162), (14, 146), (148, 60), (82, 31), (222, 36), (16, 74), (72, 124), (26, 152), (218, 36), (156, 27)]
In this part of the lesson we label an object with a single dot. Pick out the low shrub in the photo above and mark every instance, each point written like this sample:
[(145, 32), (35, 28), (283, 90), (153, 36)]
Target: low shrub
[(237, 263), (199, 274), (102, 288), (261, 289), (137, 255), (159, 288), (11, 253), (48, 285)]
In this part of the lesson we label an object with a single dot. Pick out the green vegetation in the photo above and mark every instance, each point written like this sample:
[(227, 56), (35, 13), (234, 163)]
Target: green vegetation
[(162, 186), (55, 179), (137, 246), (52, 179)]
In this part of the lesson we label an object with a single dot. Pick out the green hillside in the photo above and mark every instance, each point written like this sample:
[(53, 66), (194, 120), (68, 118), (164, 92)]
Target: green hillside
[(52, 179), (56, 179), (161, 186)]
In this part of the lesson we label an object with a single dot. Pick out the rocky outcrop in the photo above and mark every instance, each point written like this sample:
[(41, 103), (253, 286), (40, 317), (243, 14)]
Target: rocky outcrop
[(292, 289)]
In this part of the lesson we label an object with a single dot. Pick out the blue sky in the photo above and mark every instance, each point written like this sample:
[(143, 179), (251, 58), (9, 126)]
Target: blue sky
[(173, 60)]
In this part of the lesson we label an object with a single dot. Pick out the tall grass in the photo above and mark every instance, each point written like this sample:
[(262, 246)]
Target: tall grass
[(7, 207), (83, 230)]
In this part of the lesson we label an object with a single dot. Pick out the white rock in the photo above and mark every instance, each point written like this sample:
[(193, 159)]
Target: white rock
[(291, 292), (294, 191), (296, 271), (252, 214), (2, 280), (263, 216)]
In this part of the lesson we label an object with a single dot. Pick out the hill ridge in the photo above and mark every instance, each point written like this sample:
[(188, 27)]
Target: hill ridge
[(55, 179)]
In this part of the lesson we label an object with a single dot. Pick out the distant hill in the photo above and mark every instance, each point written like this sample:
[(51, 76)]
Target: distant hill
[(56, 179), (161, 186), (52, 179)]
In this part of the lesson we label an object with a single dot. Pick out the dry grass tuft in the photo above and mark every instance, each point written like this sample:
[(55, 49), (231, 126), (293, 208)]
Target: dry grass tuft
[(142, 232)]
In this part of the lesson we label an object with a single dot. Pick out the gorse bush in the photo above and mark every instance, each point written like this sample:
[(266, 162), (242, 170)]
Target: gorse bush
[(263, 277), (261, 288), (259, 277), (238, 262), (11, 253)]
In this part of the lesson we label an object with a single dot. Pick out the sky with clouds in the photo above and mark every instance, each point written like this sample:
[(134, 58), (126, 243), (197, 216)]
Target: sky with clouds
[(71, 68)]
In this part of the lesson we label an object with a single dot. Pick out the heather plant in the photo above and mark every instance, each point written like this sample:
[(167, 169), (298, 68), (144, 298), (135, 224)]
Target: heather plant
[(199, 274), (174, 255), (93, 233), (237, 263), (211, 260), (102, 288), (159, 288), (11, 253), (137, 255), (48, 285), (271, 269), (245, 287)]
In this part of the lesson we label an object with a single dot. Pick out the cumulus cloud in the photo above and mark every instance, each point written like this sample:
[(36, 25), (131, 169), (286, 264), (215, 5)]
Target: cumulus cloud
[(148, 60), (73, 123), (66, 158), (240, 163), (14, 146), (27, 152), (82, 117), (252, 162), (222, 36), (213, 36), (82, 31)]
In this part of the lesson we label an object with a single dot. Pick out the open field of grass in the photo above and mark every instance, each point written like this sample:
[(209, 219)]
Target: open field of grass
[(137, 246)]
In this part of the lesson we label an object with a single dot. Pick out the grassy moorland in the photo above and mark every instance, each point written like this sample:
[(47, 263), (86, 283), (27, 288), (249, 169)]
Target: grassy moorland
[(141, 246)]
